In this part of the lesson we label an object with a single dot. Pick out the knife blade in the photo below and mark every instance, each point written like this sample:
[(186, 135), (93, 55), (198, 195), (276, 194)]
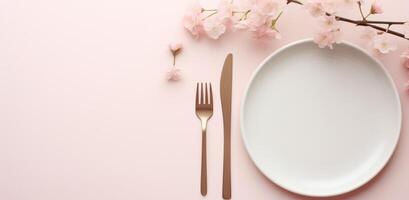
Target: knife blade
[(226, 82)]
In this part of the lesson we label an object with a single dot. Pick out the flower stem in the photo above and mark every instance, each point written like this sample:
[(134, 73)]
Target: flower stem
[(387, 29), (367, 16), (279, 15), (209, 10), (362, 13), (214, 12), (234, 12), (274, 21), (244, 17)]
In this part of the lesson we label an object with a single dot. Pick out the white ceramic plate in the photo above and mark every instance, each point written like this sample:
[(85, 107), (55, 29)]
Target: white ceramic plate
[(320, 122)]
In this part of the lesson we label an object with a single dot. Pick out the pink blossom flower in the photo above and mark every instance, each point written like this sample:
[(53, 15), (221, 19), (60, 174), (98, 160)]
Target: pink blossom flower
[(326, 38), (406, 29), (260, 25), (256, 19), (353, 2), (376, 42), (383, 44), (174, 74), (240, 25), (266, 32), (368, 34), (376, 8), (406, 63), (244, 5), (192, 20), (175, 46), (262, 13), (315, 7), (225, 11), (268, 7), (331, 6), (405, 56), (214, 28), (329, 22)]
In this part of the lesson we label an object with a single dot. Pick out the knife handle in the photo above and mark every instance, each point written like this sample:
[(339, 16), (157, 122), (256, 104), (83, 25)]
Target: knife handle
[(227, 169)]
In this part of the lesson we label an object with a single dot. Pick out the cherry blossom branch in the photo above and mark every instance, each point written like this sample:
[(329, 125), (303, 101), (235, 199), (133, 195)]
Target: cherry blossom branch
[(260, 19), (364, 22), (381, 22)]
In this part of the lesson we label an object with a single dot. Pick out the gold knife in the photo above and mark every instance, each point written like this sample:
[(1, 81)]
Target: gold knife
[(226, 81)]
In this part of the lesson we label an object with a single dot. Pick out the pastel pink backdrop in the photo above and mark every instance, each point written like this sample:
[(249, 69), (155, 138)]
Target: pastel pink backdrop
[(86, 112)]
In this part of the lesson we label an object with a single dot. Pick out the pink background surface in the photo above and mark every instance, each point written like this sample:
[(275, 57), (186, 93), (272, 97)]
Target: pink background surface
[(86, 113)]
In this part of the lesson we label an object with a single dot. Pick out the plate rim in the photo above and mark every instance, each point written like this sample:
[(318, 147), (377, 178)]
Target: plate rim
[(353, 187)]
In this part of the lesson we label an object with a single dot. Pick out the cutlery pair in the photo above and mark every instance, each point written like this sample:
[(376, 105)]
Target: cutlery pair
[(204, 111)]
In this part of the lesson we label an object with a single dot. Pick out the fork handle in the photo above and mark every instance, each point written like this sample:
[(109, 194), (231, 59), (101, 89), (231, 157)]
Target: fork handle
[(203, 179)]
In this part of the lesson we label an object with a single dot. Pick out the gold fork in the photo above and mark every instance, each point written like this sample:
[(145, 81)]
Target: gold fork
[(204, 111)]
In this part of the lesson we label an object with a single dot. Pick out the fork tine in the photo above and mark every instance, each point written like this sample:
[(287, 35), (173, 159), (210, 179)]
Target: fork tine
[(206, 95), (197, 93), (201, 93), (211, 94)]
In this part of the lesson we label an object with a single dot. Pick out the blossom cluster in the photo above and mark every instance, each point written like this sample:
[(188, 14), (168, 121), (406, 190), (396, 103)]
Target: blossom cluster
[(261, 16), (257, 16)]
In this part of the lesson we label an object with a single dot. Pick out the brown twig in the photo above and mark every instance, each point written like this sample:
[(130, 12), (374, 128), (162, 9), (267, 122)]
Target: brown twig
[(382, 22), (364, 22), (360, 11)]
